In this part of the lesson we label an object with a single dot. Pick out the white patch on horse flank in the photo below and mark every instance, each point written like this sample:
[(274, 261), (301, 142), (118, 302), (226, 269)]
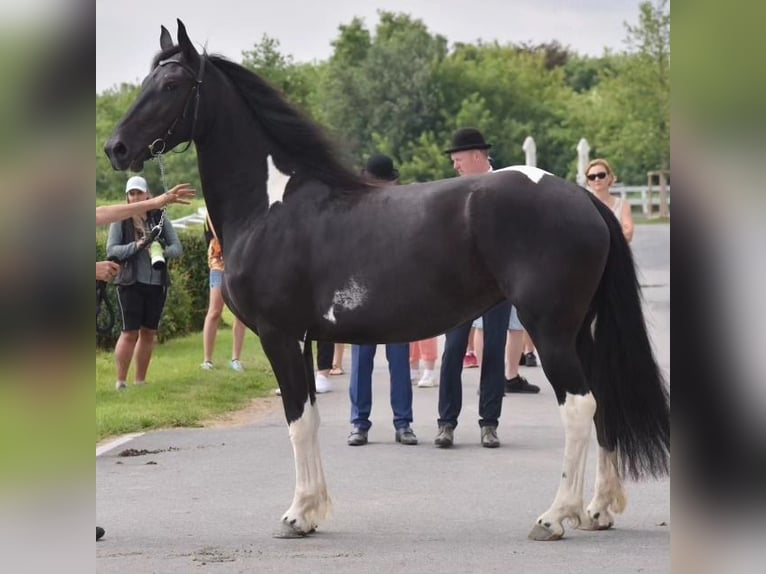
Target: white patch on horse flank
[(353, 295), (533, 173)]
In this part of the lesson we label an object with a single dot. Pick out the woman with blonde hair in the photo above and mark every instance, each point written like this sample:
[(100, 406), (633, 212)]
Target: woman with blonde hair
[(601, 177)]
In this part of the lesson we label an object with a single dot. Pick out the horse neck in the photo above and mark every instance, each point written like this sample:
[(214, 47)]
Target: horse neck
[(231, 156)]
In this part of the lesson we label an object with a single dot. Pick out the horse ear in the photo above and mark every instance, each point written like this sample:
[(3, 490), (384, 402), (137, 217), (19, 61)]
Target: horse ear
[(185, 42), (166, 41)]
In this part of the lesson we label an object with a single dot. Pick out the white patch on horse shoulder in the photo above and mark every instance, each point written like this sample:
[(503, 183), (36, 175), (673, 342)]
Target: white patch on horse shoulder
[(275, 184), (353, 295), (533, 173)]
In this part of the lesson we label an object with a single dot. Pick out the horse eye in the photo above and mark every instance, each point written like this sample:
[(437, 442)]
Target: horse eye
[(169, 87)]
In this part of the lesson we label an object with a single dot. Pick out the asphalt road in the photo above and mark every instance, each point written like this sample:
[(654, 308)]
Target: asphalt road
[(211, 499)]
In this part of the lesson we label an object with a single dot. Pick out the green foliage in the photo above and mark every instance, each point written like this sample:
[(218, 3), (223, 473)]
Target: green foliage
[(402, 89), (178, 392)]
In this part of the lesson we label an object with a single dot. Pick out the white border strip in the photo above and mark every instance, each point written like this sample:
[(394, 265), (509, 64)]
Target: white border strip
[(116, 442)]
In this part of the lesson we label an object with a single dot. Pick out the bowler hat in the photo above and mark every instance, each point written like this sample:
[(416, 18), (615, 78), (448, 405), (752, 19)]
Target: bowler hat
[(467, 138), (380, 166)]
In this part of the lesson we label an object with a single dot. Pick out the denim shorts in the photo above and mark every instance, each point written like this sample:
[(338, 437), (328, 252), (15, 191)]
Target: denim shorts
[(513, 322), (216, 278)]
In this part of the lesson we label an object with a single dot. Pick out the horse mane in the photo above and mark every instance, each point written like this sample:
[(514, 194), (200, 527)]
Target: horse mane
[(299, 145)]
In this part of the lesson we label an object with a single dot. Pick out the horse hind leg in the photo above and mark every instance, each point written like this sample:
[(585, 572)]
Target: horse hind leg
[(609, 495), (577, 407)]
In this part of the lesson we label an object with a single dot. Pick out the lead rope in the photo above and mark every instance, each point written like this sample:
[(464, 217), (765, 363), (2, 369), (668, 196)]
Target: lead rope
[(157, 152)]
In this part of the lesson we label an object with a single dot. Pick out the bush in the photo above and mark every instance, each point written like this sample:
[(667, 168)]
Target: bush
[(186, 305)]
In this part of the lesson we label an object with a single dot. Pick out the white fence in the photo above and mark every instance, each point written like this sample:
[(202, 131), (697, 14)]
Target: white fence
[(637, 195)]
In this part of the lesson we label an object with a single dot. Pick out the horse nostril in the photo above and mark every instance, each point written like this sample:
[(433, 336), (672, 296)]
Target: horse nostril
[(119, 149)]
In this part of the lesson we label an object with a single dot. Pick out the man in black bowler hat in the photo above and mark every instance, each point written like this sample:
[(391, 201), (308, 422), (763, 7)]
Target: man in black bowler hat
[(470, 156)]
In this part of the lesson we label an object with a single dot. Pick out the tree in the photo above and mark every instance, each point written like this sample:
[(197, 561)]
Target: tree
[(629, 116), (387, 81)]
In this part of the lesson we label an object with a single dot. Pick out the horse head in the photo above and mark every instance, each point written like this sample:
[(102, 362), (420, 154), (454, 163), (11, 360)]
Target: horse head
[(164, 114)]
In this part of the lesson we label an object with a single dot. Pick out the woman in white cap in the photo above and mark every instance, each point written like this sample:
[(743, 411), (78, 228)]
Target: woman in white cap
[(142, 282)]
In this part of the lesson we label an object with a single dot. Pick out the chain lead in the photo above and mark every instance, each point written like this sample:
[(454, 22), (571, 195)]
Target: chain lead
[(157, 155)]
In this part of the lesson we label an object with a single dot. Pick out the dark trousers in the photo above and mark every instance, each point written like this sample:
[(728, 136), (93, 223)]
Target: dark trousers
[(360, 387), (492, 381), (325, 352)]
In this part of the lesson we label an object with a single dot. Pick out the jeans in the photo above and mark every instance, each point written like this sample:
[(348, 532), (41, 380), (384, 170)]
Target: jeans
[(360, 388), (492, 378)]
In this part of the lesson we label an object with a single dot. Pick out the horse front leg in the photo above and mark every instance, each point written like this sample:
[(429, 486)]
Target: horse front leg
[(295, 375), (577, 414), (609, 495)]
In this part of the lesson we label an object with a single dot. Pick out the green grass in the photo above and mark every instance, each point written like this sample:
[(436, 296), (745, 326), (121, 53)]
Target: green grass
[(178, 393)]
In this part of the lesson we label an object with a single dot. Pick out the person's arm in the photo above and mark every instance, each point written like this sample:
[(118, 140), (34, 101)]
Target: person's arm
[(181, 193), (173, 247), (626, 219), (115, 246)]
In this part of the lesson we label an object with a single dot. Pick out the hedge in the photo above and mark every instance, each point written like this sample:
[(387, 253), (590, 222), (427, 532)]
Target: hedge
[(186, 305)]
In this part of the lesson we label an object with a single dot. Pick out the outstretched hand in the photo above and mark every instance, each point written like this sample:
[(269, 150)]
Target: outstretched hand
[(181, 193)]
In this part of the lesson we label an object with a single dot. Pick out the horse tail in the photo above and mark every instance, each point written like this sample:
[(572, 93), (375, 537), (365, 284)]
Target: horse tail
[(633, 412)]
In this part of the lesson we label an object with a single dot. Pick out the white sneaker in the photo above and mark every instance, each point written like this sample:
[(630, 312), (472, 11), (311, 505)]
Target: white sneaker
[(414, 375), (323, 384), (427, 380), (236, 365), (206, 366), (120, 385)]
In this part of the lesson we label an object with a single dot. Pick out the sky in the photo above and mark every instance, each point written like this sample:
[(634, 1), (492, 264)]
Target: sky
[(127, 33)]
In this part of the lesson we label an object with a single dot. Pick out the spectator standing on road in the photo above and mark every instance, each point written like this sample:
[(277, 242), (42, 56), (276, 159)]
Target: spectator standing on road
[(470, 156), (380, 170)]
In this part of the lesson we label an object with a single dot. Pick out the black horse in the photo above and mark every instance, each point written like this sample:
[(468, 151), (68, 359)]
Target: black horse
[(330, 262)]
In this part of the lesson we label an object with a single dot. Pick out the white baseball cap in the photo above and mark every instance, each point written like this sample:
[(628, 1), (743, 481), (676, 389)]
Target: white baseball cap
[(136, 182)]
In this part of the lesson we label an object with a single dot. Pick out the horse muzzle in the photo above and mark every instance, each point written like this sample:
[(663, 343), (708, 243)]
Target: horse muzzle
[(122, 157)]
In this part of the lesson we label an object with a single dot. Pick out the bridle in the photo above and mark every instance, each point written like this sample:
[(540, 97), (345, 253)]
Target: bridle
[(157, 147)]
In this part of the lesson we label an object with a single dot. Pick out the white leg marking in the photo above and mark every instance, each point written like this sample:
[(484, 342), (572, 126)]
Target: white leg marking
[(311, 502), (609, 493), (533, 173), (577, 414)]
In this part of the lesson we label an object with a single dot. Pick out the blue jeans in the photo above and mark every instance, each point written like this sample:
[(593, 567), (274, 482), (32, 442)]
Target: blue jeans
[(360, 389), (492, 378)]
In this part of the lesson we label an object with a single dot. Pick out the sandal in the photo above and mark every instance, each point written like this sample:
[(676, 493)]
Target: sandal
[(336, 370)]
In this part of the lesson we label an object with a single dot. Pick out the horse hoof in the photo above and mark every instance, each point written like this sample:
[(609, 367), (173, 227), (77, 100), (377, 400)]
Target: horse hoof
[(543, 534), (289, 531), (595, 525)]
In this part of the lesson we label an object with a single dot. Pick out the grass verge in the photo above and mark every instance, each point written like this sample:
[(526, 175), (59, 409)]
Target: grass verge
[(178, 393)]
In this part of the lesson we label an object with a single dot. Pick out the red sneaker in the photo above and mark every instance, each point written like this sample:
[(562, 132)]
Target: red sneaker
[(470, 361)]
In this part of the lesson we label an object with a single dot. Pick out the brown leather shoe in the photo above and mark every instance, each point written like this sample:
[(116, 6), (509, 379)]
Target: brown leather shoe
[(446, 436), (489, 437)]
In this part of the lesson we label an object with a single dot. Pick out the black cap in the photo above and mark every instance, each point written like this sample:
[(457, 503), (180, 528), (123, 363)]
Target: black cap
[(467, 138), (380, 166)]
